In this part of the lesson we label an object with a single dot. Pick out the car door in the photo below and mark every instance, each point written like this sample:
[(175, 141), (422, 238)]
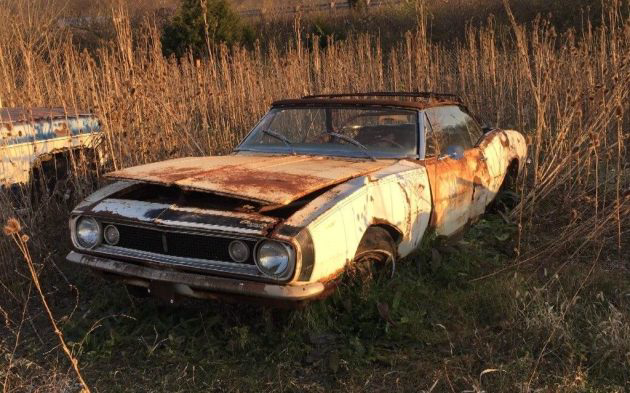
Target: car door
[(453, 165)]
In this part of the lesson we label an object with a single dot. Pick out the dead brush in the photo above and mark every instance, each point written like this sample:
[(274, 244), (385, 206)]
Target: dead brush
[(568, 92), (13, 229)]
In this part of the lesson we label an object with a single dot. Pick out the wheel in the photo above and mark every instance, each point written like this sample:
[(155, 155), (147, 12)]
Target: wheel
[(376, 254)]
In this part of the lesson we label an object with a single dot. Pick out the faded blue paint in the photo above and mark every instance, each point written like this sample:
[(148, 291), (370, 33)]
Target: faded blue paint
[(26, 134), (42, 130)]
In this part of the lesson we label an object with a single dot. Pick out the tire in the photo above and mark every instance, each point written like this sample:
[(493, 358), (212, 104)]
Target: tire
[(376, 252)]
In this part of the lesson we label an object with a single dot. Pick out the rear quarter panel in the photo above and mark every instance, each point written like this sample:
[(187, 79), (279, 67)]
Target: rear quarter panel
[(500, 148)]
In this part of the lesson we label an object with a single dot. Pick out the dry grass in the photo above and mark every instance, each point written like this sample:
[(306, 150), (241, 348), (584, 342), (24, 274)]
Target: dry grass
[(568, 92)]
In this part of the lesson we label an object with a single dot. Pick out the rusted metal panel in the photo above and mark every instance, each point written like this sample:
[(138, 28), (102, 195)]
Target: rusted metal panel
[(26, 135), (452, 187), (462, 188), (276, 180)]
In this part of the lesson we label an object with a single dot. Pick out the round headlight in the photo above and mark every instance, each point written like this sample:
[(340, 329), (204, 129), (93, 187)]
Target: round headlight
[(239, 252), (272, 258), (111, 235), (88, 232)]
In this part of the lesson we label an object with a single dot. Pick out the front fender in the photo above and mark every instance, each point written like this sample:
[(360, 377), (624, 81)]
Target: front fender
[(398, 197)]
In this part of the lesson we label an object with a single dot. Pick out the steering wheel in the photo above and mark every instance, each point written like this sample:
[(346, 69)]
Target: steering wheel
[(381, 141), (322, 137)]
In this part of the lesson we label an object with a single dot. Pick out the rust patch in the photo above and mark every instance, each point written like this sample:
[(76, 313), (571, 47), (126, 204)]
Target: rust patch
[(332, 278), (238, 178), (362, 103), (275, 180), (488, 138), (504, 139), (453, 182), (171, 174), (63, 131)]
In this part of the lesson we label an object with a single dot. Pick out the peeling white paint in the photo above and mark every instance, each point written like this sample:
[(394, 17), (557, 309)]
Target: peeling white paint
[(122, 208), (23, 143)]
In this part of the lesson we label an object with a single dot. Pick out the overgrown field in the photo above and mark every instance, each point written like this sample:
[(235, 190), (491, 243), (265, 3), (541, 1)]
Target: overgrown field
[(536, 299)]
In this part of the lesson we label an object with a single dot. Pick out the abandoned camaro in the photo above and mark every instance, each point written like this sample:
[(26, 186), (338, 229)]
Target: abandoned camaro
[(320, 184)]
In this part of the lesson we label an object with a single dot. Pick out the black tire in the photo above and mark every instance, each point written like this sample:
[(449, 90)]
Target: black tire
[(376, 254)]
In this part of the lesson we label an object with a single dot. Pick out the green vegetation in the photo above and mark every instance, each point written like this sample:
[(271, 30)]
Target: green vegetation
[(430, 323), (201, 25)]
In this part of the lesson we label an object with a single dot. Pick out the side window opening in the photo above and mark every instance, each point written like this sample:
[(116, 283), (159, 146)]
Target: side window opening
[(451, 131), (474, 129), (432, 148)]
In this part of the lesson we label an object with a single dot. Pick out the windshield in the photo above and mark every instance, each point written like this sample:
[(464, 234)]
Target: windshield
[(345, 131)]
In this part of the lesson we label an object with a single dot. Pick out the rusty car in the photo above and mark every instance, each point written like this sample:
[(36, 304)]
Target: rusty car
[(37, 145), (320, 184)]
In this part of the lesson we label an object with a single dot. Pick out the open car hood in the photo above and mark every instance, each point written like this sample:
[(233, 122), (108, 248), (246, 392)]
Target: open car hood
[(271, 180)]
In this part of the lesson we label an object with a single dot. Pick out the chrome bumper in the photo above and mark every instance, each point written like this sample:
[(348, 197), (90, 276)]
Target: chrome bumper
[(194, 284)]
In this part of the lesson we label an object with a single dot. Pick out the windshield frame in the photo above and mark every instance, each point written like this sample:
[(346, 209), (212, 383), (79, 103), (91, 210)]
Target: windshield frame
[(276, 149)]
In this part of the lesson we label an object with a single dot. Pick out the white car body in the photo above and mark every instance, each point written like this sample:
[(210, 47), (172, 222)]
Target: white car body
[(318, 206)]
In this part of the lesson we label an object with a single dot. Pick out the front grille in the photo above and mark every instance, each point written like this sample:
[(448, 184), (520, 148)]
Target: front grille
[(179, 244)]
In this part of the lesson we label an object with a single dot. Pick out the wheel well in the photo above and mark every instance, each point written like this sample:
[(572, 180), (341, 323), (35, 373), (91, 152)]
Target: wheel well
[(48, 164), (46, 167), (56, 167), (393, 231), (511, 176), (513, 168)]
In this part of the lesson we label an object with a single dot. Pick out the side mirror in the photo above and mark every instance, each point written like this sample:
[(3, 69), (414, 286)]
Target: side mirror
[(486, 128)]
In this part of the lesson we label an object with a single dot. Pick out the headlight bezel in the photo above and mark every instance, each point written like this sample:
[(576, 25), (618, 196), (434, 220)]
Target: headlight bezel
[(248, 249), (291, 260), (105, 238), (75, 233)]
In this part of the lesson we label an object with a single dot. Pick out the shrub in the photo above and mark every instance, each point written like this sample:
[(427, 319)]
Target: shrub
[(189, 29), (361, 4)]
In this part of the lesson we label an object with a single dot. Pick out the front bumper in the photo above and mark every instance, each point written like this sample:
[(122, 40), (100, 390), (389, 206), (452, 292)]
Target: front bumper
[(194, 284)]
